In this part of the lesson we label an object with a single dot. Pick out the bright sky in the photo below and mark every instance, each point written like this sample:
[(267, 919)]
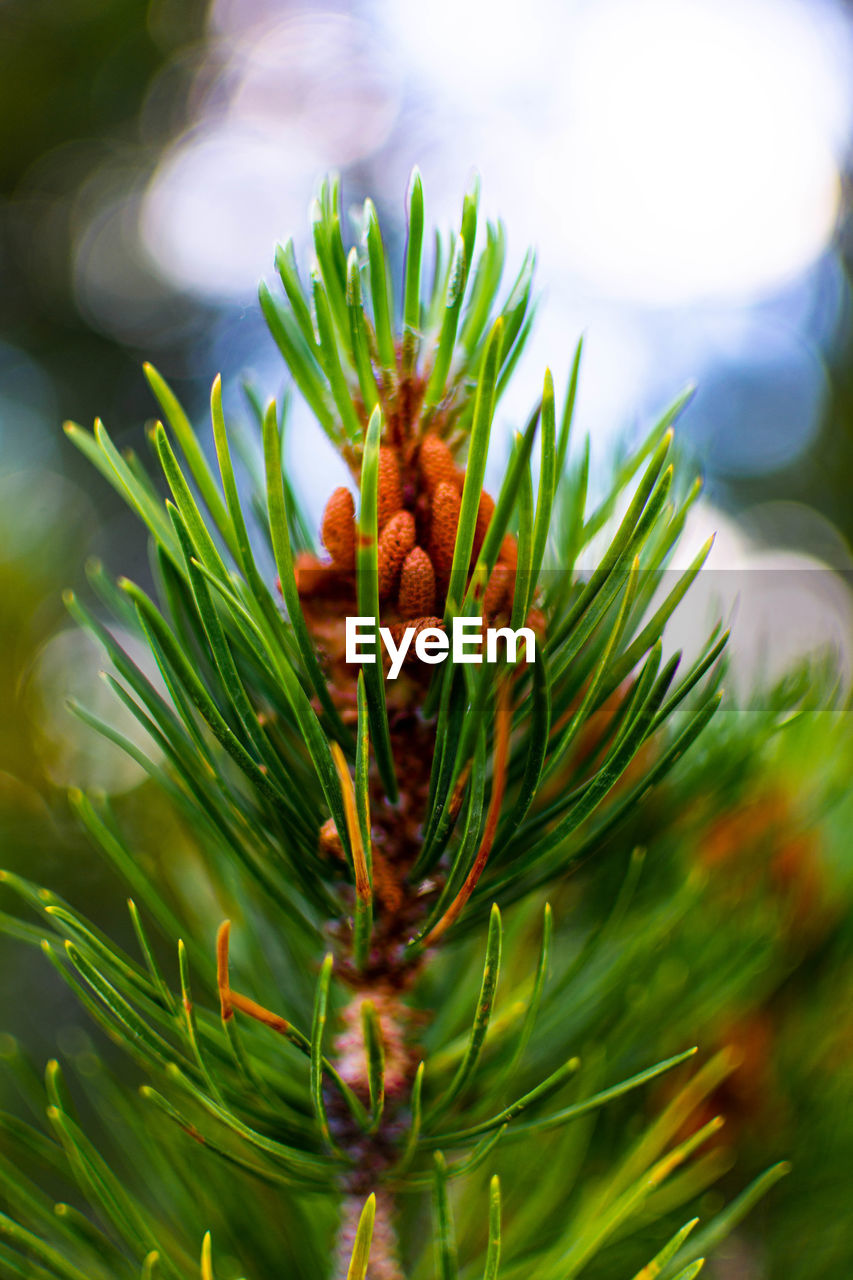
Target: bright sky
[(665, 152), (675, 162)]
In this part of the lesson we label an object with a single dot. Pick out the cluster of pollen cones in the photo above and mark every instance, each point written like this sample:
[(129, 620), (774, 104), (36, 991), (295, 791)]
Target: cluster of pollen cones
[(419, 497)]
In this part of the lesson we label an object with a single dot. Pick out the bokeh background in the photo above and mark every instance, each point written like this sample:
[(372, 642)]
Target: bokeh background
[(683, 168)]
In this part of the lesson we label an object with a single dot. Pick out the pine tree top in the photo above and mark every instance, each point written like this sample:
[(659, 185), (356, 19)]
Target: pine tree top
[(376, 820)]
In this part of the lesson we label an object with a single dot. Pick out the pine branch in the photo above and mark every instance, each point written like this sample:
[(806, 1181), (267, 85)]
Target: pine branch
[(383, 819)]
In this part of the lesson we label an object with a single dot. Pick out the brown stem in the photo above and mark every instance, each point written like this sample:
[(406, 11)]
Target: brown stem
[(374, 1153), (384, 1261)]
